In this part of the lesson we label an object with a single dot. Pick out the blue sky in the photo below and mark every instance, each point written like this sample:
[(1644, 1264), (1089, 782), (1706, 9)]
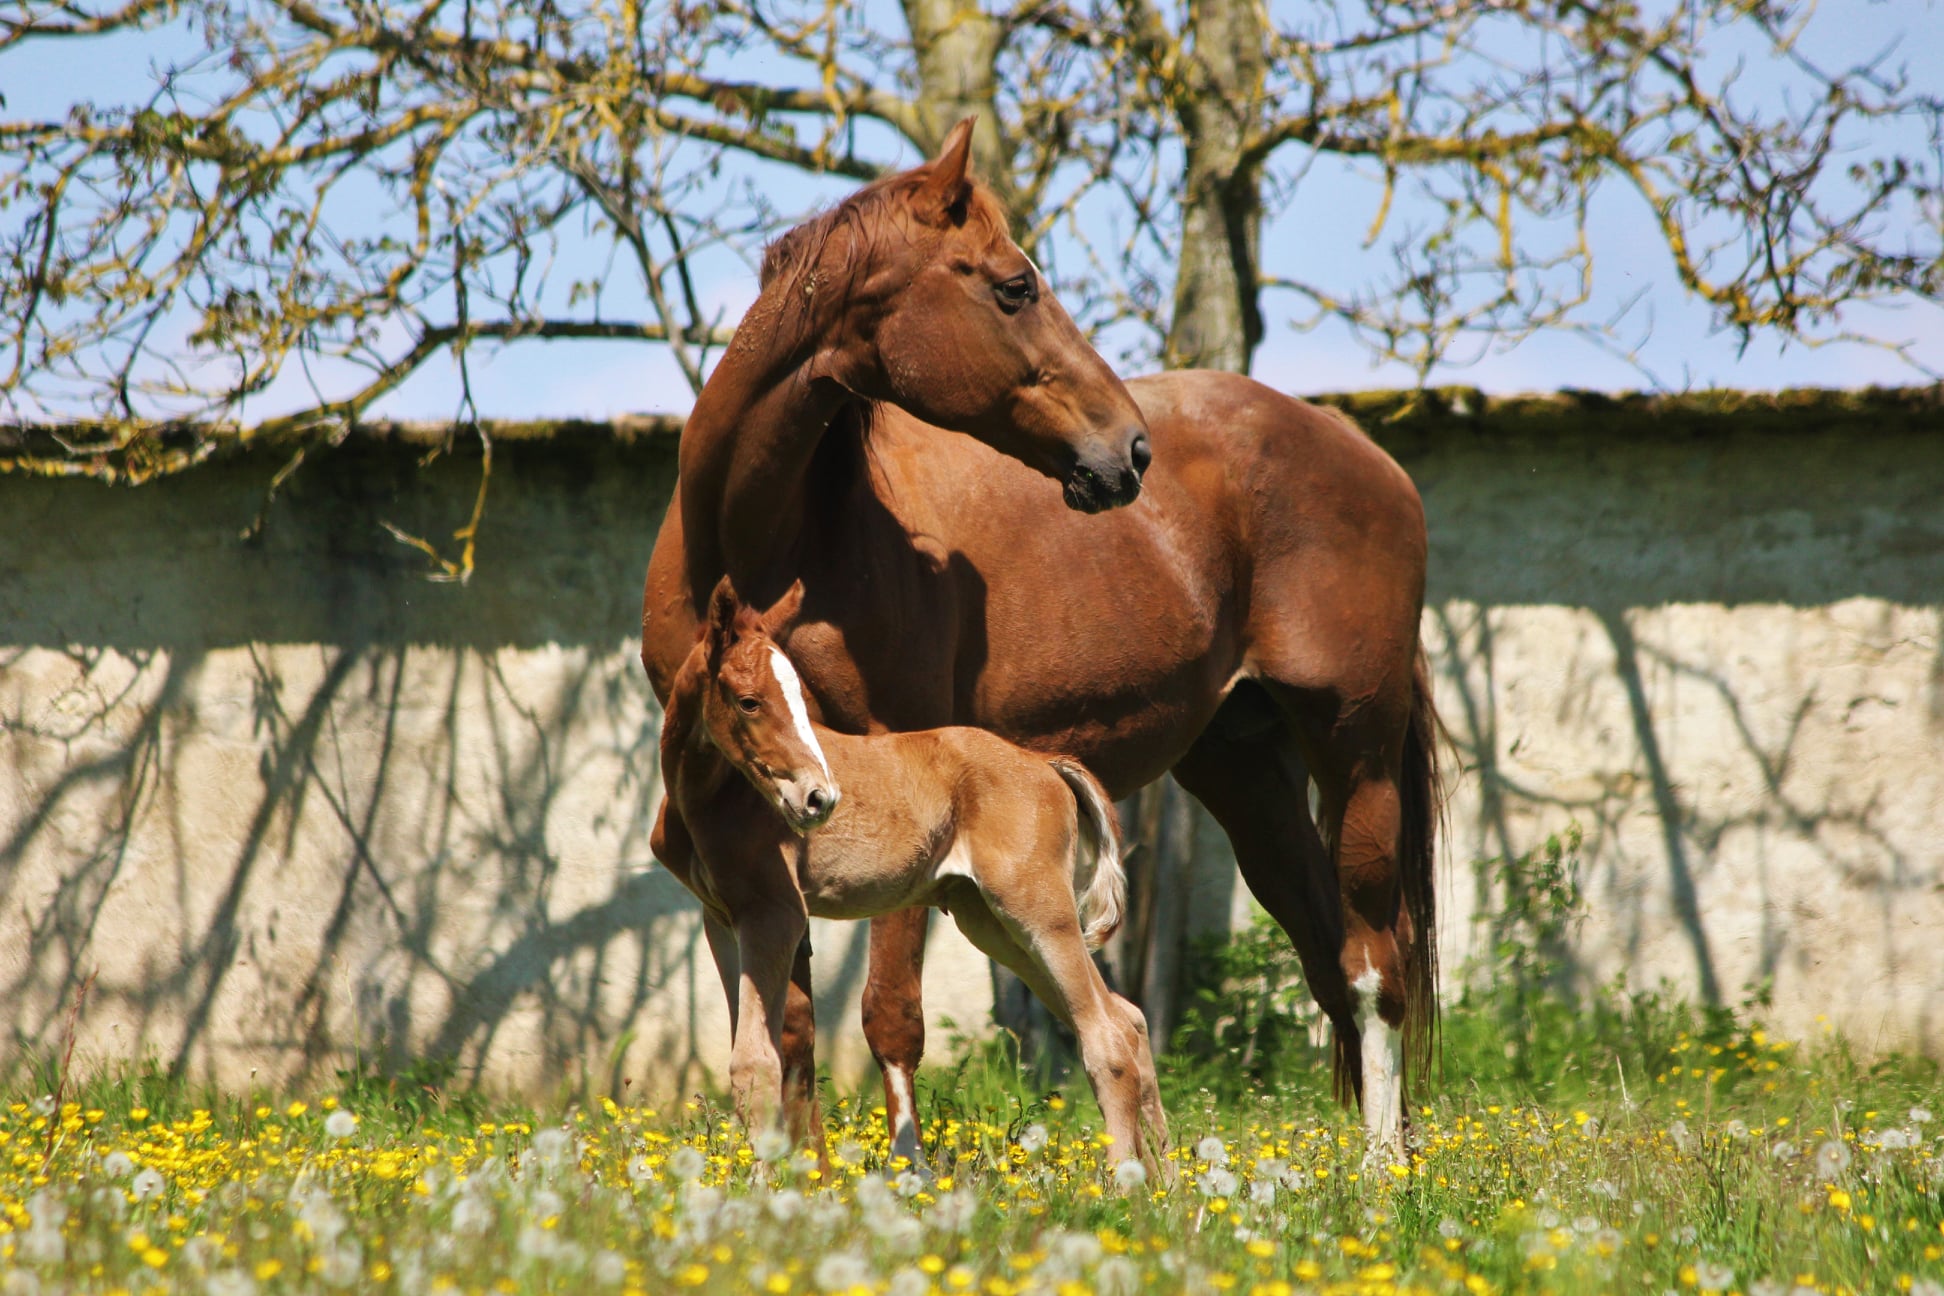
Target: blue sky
[(1324, 225)]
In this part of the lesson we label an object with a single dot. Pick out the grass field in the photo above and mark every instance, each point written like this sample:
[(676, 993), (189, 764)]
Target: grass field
[(1639, 1147)]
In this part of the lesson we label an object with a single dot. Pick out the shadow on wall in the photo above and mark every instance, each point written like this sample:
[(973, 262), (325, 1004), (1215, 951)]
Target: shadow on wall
[(302, 808), (1723, 658)]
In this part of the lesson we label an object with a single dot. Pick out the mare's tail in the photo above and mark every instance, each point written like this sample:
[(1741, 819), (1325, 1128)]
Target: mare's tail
[(1099, 882), (1422, 795)]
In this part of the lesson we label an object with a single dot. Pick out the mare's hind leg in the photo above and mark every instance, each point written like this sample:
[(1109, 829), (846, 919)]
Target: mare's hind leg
[(1353, 939), (1247, 770), (894, 1022)]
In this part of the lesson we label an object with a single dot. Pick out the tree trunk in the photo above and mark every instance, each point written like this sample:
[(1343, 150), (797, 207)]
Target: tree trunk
[(957, 48), (1217, 317)]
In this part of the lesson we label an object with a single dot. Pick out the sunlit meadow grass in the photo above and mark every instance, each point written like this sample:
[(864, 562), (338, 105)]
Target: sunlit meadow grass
[(1729, 1162)]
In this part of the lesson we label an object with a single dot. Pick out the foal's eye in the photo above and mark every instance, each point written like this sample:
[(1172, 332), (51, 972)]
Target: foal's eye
[(750, 705), (1015, 293)]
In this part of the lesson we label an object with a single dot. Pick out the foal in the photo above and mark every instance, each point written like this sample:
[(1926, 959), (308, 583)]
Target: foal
[(1021, 850)]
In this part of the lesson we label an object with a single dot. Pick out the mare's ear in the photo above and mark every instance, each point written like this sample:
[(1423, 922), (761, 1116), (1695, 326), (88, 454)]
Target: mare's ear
[(784, 610), (947, 187), (721, 627)]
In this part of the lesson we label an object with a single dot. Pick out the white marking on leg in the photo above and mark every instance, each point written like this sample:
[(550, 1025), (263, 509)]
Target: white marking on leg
[(1383, 1071), (792, 686), (904, 1124)]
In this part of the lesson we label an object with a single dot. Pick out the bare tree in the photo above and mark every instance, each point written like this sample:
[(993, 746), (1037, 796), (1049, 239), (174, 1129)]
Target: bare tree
[(1781, 190)]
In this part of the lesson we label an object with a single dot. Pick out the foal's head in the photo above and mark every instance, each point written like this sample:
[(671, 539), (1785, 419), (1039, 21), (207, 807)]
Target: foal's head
[(939, 312), (754, 710)]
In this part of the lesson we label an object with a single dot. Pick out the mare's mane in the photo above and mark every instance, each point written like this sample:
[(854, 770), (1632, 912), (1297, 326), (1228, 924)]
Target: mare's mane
[(796, 258), (868, 215)]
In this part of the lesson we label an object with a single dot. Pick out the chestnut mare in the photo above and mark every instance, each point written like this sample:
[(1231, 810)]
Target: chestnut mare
[(1244, 612), (786, 819)]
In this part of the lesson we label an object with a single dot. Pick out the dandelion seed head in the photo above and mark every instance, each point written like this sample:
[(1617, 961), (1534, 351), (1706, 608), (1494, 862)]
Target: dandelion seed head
[(1117, 1276), (471, 1215), (342, 1263), (1130, 1174), (609, 1269), (770, 1145), (229, 1282), (1077, 1249), (1217, 1182), (117, 1164), (1032, 1139), (340, 1124), (686, 1163), (553, 1147), (909, 1282), (1921, 1116), (1712, 1276), (784, 1206), (1262, 1192), (1213, 1151), (1832, 1158), (954, 1211), (840, 1271), (1450, 1228), (639, 1171), (147, 1183)]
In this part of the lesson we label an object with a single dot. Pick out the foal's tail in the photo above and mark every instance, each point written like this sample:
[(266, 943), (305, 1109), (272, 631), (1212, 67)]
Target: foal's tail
[(1417, 850), (1099, 882)]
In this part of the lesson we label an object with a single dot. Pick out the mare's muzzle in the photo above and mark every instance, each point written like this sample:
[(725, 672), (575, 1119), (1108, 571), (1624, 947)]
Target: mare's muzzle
[(1100, 482)]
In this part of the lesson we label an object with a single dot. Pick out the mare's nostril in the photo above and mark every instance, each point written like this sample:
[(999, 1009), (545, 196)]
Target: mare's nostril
[(1141, 453), (816, 801)]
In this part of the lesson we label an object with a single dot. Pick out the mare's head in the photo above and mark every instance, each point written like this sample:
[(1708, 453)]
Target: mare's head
[(938, 311), (754, 710)]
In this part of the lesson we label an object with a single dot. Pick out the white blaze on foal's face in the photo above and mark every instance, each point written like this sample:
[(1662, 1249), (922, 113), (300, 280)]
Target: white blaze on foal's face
[(791, 687), (781, 753)]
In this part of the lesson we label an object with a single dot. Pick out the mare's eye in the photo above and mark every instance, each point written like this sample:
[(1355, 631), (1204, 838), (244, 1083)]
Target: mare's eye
[(750, 705), (1015, 293)]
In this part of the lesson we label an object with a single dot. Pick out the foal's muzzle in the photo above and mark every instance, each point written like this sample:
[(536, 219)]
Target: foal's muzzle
[(807, 803)]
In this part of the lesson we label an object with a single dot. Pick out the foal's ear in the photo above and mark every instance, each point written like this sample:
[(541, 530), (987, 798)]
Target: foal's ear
[(784, 610), (721, 627), (948, 185)]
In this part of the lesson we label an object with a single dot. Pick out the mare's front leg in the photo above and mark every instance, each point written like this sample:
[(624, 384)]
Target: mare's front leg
[(767, 941), (894, 1022)]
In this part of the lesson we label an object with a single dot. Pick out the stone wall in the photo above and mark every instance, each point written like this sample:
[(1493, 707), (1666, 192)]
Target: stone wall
[(294, 807)]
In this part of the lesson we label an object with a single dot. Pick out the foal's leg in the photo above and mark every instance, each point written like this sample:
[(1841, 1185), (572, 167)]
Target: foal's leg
[(728, 961), (894, 1022), (767, 939), (1029, 923), (801, 1110)]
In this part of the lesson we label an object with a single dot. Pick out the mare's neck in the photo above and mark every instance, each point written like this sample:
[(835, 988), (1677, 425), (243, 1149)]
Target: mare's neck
[(748, 445)]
